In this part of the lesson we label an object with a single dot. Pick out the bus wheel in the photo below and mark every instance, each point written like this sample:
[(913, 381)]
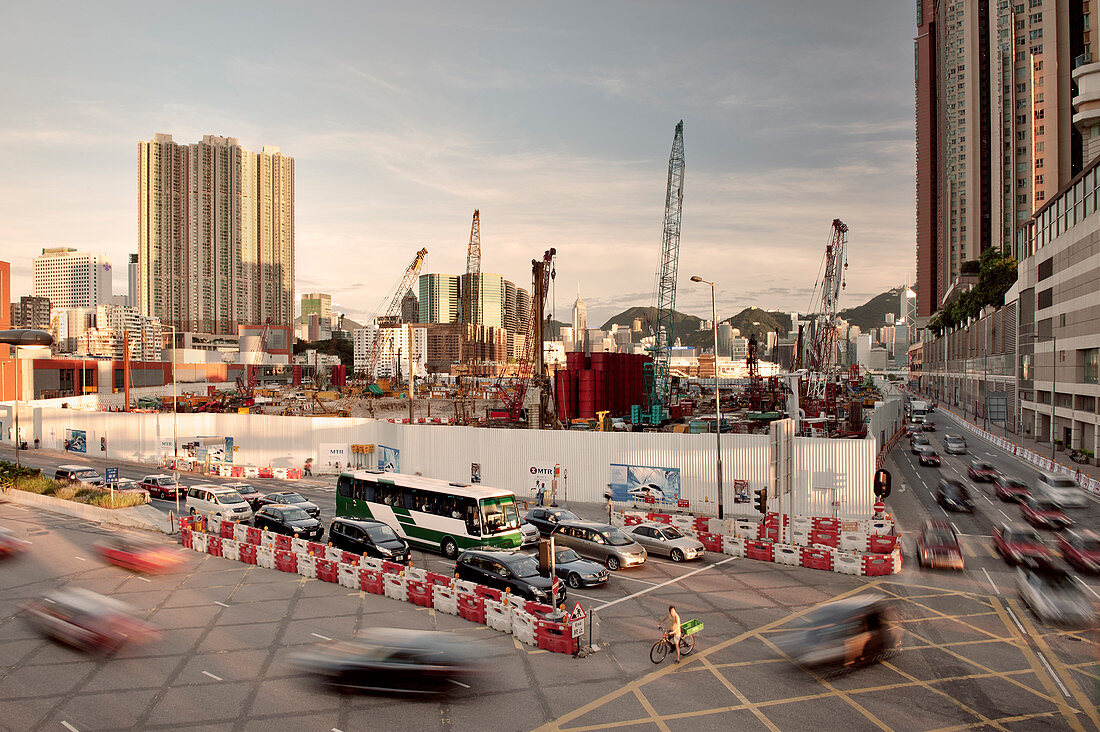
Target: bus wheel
[(450, 548)]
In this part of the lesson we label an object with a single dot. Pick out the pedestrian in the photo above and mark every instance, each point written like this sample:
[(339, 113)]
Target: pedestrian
[(540, 491), (610, 507), (35, 443), (307, 469), (673, 620)]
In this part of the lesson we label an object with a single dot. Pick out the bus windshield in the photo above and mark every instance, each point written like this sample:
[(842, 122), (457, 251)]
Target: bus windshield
[(499, 514)]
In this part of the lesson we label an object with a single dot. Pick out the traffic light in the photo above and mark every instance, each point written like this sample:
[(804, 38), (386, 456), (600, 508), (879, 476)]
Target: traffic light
[(882, 483), (762, 500)]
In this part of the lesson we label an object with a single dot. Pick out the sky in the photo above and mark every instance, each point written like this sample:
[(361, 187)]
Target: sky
[(554, 119)]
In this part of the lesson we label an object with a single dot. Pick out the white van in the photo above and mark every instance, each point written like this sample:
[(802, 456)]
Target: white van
[(1061, 489), (216, 500)]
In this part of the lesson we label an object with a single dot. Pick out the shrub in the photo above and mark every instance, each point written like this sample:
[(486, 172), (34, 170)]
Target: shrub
[(103, 499), (64, 492), (36, 484)]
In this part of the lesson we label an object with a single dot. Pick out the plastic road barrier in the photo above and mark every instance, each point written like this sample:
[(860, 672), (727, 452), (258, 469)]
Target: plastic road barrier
[(198, 542), (394, 586), (471, 607), (247, 553), (853, 541), (817, 558), (760, 550), (435, 578), (279, 473), (392, 567), (487, 592), (240, 533), (877, 527), (702, 523), (348, 575), (788, 555), (800, 537), (317, 550), (299, 546), (419, 593), (265, 472), (684, 523), (556, 637), (802, 523), (537, 608), (881, 544), (307, 565), (267, 538), (282, 542), (286, 561), (333, 553), (416, 574), (227, 529), (523, 626), (848, 564), (265, 557), (464, 586), (185, 538), (231, 550), (746, 529), (661, 518), (769, 532), (876, 565), (631, 518), (826, 524), (349, 558), (711, 542), (828, 537), (371, 563), (370, 580), (326, 570), (498, 615), (444, 599), (251, 471), (733, 546)]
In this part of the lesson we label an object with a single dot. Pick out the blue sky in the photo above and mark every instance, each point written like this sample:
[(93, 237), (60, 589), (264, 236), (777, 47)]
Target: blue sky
[(555, 119)]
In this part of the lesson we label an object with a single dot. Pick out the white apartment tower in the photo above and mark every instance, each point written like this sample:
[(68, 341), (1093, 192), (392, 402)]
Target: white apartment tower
[(72, 279), (215, 234), (580, 323)]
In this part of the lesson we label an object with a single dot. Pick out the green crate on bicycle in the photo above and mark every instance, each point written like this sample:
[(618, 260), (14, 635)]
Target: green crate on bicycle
[(691, 627)]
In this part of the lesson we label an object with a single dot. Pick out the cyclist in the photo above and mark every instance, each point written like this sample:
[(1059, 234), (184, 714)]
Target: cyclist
[(673, 619)]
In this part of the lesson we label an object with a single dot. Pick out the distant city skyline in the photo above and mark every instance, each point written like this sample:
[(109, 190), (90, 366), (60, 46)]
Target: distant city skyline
[(558, 131)]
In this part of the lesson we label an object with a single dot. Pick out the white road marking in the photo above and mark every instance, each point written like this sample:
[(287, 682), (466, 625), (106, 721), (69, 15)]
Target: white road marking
[(80, 558), (1004, 514), (991, 583), (68, 726), (464, 686), (322, 637), (669, 582), (1089, 588), (145, 579), (956, 528), (1016, 621), (216, 678), (220, 603), (586, 597), (1046, 664), (635, 579)]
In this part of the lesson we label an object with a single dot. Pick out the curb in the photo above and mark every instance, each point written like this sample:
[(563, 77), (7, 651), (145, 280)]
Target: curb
[(134, 518)]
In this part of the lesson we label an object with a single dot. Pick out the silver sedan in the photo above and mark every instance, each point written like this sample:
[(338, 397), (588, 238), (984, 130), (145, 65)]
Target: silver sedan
[(666, 540)]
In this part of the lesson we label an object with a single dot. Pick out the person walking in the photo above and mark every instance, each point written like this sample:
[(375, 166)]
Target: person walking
[(307, 469), (673, 620), (610, 507)]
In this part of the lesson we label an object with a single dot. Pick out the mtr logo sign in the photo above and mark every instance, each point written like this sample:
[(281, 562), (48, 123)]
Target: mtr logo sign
[(548, 472)]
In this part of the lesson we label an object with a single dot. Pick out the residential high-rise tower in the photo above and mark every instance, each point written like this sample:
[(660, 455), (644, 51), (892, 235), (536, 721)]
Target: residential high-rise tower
[(72, 279)]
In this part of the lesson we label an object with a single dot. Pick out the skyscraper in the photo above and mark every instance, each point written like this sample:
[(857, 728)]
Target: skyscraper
[(72, 279), (133, 282), (317, 303), (580, 323), (216, 234), (439, 298)]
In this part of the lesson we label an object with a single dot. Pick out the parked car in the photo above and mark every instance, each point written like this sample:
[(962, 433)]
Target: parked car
[(545, 519), (529, 534), (928, 456), (601, 542), (291, 498), (131, 487), (918, 443), (938, 546), (954, 445), (1043, 513), (366, 536), (1010, 489), (577, 572), (513, 571), (1061, 489), (78, 474), (161, 486), (225, 503), (282, 518), (248, 492), (1081, 548), (1055, 596), (981, 471), (1019, 543), (953, 496), (929, 425), (666, 541)]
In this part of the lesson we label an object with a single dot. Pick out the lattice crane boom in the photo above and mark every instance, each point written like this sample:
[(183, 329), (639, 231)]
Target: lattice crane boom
[(540, 286), (390, 312), (823, 351)]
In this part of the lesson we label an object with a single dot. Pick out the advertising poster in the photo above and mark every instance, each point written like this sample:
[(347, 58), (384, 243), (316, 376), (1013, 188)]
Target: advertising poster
[(644, 484), (78, 440), (543, 480), (389, 459), (333, 457)]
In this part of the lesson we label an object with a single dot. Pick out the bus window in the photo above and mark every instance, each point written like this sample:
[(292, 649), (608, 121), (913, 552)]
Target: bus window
[(467, 507), (343, 486), (499, 514), (364, 489)]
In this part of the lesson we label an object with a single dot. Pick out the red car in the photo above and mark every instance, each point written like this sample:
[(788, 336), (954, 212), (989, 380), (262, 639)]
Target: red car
[(1018, 543), (938, 546), (980, 471), (160, 486), (10, 544), (1081, 549), (1044, 514), (928, 456), (138, 555), (1010, 489)]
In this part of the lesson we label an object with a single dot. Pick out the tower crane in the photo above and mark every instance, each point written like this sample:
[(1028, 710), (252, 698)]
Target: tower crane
[(822, 357), (390, 313), (470, 295)]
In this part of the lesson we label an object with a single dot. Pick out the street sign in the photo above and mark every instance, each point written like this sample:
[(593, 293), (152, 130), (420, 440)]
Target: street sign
[(576, 621), (112, 475), (996, 407)]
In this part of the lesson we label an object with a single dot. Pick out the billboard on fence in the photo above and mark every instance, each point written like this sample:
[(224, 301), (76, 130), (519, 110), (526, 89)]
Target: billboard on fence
[(78, 440), (389, 459), (332, 457), (644, 484)]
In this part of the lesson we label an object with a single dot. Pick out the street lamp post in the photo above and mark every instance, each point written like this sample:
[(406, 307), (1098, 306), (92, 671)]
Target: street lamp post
[(717, 392), (31, 340)]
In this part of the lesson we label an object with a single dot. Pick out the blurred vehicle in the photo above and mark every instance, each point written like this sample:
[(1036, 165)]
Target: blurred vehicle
[(129, 487), (530, 534), (1055, 596), (912, 431), (938, 546), (665, 540), (953, 496), (1043, 513), (10, 544), (601, 542), (1081, 549), (394, 660), (929, 425), (918, 443), (1010, 489), (928, 456), (505, 570), (954, 445), (1019, 543), (1061, 489), (78, 474), (225, 503), (292, 498), (981, 471), (288, 520), (578, 572), (248, 492), (369, 537), (844, 634), (87, 620), (161, 486), (138, 554), (545, 519)]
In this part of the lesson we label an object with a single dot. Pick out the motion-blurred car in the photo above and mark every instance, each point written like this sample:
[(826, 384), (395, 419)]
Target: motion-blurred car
[(529, 534), (369, 537), (505, 570), (601, 542), (981, 471), (953, 496), (248, 492), (292, 498), (1043, 513), (138, 554), (545, 519), (10, 544), (918, 443), (1061, 489), (929, 425), (161, 486), (577, 572), (129, 487), (938, 546), (847, 633), (1081, 548), (288, 520), (87, 620), (928, 456), (78, 474), (394, 660), (1055, 596), (1019, 543), (1010, 489), (666, 541), (912, 431), (954, 445)]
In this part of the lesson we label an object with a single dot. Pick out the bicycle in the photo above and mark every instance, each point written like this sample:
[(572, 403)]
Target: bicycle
[(664, 646), (1077, 456)]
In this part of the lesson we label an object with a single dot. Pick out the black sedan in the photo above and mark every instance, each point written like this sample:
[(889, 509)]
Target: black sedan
[(292, 498), (577, 572), (290, 520), (952, 495), (504, 570), (365, 536), (545, 519)]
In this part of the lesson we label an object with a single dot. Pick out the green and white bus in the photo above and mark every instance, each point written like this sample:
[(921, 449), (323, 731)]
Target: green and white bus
[(431, 514)]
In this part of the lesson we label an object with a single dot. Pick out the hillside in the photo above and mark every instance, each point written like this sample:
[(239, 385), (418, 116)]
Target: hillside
[(872, 314), (681, 322), (754, 321)]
